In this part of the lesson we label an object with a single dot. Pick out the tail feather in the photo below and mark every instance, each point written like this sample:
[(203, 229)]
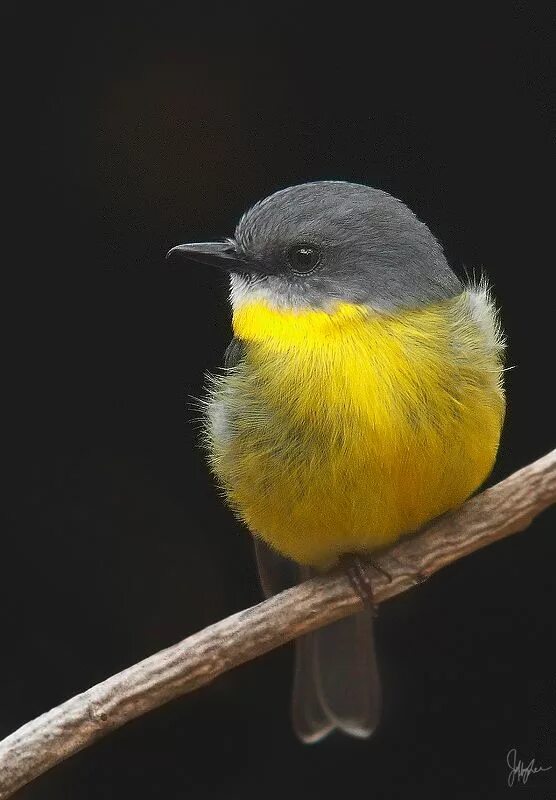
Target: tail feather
[(336, 680), (311, 720), (346, 674)]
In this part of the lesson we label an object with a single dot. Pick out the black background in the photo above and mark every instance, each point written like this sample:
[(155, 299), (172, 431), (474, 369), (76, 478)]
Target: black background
[(138, 128)]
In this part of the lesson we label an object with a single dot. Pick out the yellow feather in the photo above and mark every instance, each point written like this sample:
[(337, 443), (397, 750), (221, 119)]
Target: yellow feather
[(340, 431)]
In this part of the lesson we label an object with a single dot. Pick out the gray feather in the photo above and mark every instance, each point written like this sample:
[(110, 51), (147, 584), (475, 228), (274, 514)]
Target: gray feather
[(336, 681), (235, 352)]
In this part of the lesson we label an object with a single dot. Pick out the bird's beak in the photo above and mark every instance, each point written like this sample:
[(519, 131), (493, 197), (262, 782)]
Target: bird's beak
[(216, 254)]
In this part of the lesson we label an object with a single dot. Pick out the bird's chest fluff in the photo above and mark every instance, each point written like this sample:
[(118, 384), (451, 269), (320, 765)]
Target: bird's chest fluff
[(338, 433)]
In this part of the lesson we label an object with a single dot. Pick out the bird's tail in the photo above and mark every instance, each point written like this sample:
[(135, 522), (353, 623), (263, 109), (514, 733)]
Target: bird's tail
[(336, 681)]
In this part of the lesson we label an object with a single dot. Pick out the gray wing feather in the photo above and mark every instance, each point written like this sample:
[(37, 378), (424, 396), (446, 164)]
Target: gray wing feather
[(235, 352)]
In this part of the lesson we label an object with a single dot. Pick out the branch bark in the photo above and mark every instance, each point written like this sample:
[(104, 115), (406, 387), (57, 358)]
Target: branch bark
[(506, 508)]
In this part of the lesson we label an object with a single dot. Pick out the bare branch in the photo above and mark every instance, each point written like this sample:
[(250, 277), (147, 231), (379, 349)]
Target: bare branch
[(504, 509)]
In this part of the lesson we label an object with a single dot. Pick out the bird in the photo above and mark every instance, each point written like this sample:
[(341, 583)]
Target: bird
[(361, 397)]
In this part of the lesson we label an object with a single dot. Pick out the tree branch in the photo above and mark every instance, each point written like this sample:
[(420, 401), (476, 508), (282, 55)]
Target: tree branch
[(504, 509)]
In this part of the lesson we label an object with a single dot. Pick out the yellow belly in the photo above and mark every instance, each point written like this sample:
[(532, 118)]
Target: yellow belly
[(338, 433)]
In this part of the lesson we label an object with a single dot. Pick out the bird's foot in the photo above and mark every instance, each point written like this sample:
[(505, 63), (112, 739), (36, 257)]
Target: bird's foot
[(355, 569)]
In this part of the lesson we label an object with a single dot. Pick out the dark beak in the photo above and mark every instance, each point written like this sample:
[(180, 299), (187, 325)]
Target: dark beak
[(216, 254)]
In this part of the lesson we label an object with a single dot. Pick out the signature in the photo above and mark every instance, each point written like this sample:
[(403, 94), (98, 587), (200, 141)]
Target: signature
[(520, 771)]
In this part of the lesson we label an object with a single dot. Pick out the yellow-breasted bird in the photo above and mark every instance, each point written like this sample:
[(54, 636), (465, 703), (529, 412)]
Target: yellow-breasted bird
[(362, 397)]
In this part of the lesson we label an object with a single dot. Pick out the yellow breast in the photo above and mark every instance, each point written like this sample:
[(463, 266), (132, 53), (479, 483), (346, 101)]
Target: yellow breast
[(339, 432)]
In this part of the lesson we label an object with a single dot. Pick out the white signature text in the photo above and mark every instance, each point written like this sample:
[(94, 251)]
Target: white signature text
[(520, 772)]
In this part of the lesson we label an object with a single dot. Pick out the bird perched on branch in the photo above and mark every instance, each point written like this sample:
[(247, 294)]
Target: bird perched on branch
[(362, 397)]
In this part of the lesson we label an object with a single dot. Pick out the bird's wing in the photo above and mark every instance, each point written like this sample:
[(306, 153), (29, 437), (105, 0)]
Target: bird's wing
[(235, 352)]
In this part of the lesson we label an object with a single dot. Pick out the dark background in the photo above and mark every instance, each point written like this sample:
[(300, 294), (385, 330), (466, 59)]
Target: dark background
[(135, 129)]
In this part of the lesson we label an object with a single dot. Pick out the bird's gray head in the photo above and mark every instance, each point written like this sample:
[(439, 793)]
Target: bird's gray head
[(317, 244)]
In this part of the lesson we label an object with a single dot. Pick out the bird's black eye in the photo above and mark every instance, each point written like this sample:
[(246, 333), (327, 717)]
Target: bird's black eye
[(303, 258)]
